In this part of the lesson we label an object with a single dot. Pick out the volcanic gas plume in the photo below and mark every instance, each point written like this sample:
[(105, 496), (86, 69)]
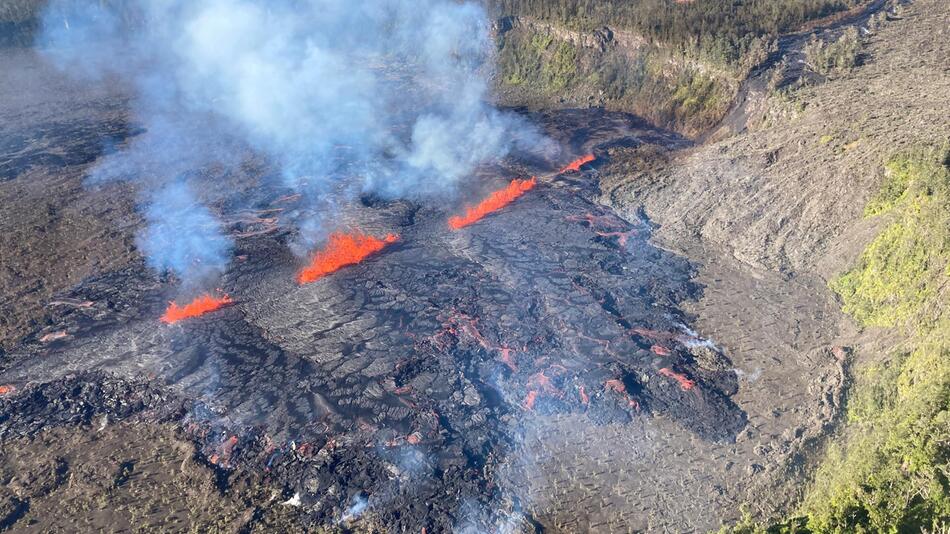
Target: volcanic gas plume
[(576, 164), (342, 250), (494, 202), (200, 306)]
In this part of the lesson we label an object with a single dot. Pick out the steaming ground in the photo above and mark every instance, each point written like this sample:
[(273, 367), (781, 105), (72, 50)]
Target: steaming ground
[(510, 373)]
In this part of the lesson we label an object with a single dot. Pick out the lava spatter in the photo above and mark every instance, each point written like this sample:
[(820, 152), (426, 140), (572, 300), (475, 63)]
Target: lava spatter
[(200, 306), (342, 250), (577, 163), (685, 383), (497, 200)]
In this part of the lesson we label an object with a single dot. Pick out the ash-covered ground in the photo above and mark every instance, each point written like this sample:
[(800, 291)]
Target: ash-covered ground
[(400, 393)]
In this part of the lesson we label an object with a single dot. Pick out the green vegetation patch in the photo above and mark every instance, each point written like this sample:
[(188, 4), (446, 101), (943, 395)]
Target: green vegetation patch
[(560, 67), (538, 61), (667, 92), (837, 56), (889, 469), (902, 272), (723, 31), (699, 98), (891, 472)]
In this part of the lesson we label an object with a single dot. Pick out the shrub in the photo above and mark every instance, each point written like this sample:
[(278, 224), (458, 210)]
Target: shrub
[(902, 271), (891, 475), (559, 69), (835, 57)]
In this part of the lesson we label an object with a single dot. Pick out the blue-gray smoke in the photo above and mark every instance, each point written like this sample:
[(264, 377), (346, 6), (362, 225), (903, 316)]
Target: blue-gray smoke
[(384, 95), (196, 254)]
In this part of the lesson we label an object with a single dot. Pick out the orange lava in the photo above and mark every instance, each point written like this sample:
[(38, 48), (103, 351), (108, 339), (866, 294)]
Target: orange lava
[(494, 202), (7, 389), (584, 398), (200, 306), (685, 383), (653, 334), (617, 386), (508, 359), (660, 350), (342, 250), (225, 450), (542, 383), (530, 399), (53, 336), (576, 164)]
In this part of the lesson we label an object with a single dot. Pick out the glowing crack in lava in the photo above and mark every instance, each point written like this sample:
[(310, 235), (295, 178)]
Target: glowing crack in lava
[(200, 306), (342, 250), (576, 164), (494, 202), (685, 383)]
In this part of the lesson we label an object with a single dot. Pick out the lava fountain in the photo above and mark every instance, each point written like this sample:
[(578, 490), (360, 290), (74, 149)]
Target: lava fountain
[(497, 200), (200, 306), (342, 250), (576, 164)]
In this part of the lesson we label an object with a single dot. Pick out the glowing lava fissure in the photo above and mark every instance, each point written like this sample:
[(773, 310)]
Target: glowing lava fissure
[(342, 250), (577, 163), (497, 200), (685, 383), (200, 306)]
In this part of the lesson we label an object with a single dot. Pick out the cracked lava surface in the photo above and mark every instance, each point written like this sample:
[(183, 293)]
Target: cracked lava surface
[(404, 380)]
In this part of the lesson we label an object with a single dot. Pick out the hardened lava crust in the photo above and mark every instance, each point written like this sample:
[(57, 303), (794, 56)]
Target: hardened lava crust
[(396, 392)]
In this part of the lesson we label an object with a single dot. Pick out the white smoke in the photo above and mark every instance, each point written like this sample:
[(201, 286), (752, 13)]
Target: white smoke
[(196, 254), (390, 93)]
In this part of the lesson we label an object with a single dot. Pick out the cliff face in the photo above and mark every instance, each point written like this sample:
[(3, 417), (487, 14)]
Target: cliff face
[(544, 65)]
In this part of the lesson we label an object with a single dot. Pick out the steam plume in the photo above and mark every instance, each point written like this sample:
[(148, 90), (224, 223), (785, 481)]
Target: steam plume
[(383, 95), (183, 236)]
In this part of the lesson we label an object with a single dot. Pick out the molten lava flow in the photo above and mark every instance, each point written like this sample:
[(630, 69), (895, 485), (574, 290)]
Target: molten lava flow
[(201, 305), (685, 383), (342, 250), (529, 400), (508, 359), (653, 334), (584, 398), (6, 389), (618, 386), (576, 164), (542, 383), (660, 350), (494, 202), (53, 336), (224, 452)]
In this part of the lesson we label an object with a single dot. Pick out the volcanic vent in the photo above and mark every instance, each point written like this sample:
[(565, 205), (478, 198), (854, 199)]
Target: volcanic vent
[(387, 380)]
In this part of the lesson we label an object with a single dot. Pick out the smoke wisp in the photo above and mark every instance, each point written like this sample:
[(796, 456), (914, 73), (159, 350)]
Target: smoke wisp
[(389, 96)]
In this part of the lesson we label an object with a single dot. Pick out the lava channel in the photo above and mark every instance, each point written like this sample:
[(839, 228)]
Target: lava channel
[(497, 200), (576, 164), (200, 306), (342, 250)]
